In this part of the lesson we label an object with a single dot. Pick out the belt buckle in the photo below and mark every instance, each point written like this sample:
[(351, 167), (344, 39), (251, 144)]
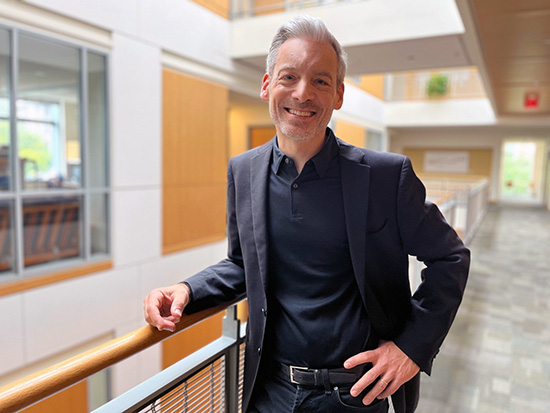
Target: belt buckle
[(292, 368)]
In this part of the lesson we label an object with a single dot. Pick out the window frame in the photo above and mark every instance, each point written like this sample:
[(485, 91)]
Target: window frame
[(16, 195)]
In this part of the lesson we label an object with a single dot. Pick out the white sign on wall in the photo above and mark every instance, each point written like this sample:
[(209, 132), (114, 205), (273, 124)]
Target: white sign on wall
[(447, 161)]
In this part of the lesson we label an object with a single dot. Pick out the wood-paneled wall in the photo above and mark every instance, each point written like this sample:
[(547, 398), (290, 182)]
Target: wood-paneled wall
[(268, 7), (194, 161), (220, 7), (194, 338), (261, 134), (74, 400), (373, 84), (350, 133)]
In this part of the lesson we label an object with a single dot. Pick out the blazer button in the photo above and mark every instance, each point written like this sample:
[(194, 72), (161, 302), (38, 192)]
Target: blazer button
[(264, 312), (259, 351)]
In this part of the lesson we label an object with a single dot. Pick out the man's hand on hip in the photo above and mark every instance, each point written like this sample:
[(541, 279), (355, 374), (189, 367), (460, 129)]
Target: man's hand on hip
[(391, 367), (163, 307)]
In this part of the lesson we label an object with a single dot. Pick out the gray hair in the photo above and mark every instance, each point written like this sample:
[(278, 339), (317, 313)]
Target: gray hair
[(306, 27)]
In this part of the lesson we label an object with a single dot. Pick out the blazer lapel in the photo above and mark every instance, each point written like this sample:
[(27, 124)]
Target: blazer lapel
[(355, 175), (355, 190), (259, 170)]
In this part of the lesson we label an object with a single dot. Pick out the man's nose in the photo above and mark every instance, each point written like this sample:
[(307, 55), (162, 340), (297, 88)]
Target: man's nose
[(303, 91)]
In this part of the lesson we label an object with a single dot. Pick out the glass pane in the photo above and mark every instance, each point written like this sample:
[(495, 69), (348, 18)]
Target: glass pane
[(6, 236), (48, 114), (519, 169), (51, 229), (97, 120), (374, 140), (99, 223), (4, 110)]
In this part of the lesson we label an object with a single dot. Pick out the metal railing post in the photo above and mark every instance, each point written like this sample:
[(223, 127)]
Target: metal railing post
[(231, 329)]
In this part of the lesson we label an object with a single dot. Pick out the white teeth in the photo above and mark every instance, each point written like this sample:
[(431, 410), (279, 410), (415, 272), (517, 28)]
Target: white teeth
[(299, 113)]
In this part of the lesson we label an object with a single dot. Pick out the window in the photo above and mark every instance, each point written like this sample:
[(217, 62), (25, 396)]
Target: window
[(375, 140), (54, 187)]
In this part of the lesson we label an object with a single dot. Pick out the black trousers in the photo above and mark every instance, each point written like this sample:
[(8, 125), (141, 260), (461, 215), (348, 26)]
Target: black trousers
[(274, 393)]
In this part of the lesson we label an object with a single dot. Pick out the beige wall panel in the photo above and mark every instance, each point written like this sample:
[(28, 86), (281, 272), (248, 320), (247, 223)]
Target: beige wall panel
[(194, 161), (352, 134), (480, 160)]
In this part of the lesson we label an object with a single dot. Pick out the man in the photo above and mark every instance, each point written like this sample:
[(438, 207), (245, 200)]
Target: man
[(319, 234)]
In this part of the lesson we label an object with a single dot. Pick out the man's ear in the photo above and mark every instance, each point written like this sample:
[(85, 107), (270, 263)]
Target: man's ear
[(340, 97), (264, 92)]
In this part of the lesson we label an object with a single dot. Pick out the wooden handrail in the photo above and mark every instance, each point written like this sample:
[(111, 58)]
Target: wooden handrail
[(31, 389)]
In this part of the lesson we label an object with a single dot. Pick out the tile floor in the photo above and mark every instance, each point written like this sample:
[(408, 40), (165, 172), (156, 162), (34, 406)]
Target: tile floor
[(496, 358)]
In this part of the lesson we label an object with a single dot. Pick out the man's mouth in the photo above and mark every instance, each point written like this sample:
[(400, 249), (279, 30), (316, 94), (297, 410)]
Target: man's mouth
[(300, 112)]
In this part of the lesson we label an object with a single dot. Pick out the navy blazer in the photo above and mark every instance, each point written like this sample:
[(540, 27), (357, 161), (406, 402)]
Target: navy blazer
[(387, 218)]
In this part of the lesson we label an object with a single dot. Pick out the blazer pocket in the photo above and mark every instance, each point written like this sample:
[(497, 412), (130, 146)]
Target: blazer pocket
[(376, 227)]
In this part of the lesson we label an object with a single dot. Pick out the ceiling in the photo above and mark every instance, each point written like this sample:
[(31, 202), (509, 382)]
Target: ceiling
[(515, 41), (508, 41)]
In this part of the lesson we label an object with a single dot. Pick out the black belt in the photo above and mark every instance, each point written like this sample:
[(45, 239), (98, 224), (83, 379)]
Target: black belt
[(305, 376)]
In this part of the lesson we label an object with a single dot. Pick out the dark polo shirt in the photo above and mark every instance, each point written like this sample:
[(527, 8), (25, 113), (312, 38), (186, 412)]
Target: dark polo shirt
[(316, 315)]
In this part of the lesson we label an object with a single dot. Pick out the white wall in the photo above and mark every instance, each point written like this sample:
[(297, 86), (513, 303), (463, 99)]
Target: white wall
[(362, 109), (182, 27), (456, 112)]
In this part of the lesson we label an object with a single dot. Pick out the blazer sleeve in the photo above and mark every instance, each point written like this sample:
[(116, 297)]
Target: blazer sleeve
[(426, 235), (224, 281)]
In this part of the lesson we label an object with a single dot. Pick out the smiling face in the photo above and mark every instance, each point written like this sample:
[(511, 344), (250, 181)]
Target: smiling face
[(303, 90)]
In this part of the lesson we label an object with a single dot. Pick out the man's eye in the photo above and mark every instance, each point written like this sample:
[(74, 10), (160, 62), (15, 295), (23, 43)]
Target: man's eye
[(322, 82)]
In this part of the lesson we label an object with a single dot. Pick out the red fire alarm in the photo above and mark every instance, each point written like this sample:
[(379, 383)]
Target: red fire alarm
[(531, 100)]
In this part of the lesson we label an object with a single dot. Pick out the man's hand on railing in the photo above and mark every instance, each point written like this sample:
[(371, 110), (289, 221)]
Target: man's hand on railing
[(163, 307)]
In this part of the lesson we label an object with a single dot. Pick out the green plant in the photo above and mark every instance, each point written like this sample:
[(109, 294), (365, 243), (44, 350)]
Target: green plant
[(437, 86)]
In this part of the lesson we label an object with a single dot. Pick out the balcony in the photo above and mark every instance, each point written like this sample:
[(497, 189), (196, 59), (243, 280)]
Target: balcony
[(461, 83)]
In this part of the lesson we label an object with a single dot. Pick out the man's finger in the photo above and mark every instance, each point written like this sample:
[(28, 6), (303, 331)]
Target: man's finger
[(177, 308), (364, 382), (376, 392), (361, 358), (389, 390), (153, 317)]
